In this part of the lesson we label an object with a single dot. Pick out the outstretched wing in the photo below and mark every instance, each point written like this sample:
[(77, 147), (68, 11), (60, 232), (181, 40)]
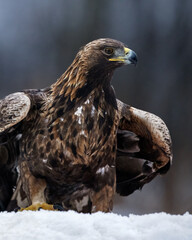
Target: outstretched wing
[(13, 109), (143, 148)]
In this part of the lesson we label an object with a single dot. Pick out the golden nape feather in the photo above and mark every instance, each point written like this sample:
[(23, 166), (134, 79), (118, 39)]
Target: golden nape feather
[(73, 145)]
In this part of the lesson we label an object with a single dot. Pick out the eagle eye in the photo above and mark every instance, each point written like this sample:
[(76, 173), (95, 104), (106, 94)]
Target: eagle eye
[(109, 50)]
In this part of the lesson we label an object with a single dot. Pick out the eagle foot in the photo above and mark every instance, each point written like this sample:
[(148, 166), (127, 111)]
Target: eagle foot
[(45, 206)]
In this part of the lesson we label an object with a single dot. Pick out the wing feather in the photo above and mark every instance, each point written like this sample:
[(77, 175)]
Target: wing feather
[(13, 109), (143, 148)]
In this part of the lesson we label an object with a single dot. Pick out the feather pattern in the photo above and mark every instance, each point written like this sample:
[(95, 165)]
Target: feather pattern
[(74, 143)]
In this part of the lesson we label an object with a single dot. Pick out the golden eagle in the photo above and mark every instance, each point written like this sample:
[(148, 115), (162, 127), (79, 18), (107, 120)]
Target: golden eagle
[(74, 144)]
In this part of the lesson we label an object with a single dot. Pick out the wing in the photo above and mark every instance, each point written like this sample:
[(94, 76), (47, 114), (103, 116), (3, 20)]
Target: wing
[(143, 148), (13, 109)]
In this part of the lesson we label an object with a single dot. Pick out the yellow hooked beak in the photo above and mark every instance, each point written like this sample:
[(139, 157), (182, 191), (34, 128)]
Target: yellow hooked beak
[(128, 57)]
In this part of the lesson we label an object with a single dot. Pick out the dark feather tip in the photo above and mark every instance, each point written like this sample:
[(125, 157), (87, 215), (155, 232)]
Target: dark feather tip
[(58, 207)]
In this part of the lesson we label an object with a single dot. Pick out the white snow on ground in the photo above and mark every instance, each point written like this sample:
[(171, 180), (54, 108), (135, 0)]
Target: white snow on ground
[(72, 226)]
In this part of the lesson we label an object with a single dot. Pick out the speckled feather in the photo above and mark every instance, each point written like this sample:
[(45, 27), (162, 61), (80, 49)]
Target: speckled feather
[(69, 141)]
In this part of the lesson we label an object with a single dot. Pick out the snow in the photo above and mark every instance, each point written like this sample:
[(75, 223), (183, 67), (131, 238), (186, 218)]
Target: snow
[(106, 226)]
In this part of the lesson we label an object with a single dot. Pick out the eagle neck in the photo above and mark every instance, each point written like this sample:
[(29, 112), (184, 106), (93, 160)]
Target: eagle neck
[(78, 82)]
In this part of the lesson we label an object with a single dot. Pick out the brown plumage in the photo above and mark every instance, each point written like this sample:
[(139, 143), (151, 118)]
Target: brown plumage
[(74, 144)]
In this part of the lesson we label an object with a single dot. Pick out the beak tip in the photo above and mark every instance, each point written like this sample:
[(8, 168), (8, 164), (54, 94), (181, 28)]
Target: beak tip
[(133, 58)]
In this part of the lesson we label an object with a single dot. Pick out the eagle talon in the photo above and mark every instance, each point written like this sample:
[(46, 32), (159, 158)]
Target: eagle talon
[(17, 209), (38, 207), (58, 207)]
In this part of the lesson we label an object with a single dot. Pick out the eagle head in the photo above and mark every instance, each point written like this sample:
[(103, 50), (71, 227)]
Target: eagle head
[(106, 54), (92, 69)]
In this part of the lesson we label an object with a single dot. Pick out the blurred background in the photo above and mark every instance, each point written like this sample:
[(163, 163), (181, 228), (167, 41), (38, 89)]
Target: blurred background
[(39, 39)]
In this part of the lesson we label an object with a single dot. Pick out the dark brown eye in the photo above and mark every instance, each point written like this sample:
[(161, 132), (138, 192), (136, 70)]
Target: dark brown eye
[(109, 50)]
